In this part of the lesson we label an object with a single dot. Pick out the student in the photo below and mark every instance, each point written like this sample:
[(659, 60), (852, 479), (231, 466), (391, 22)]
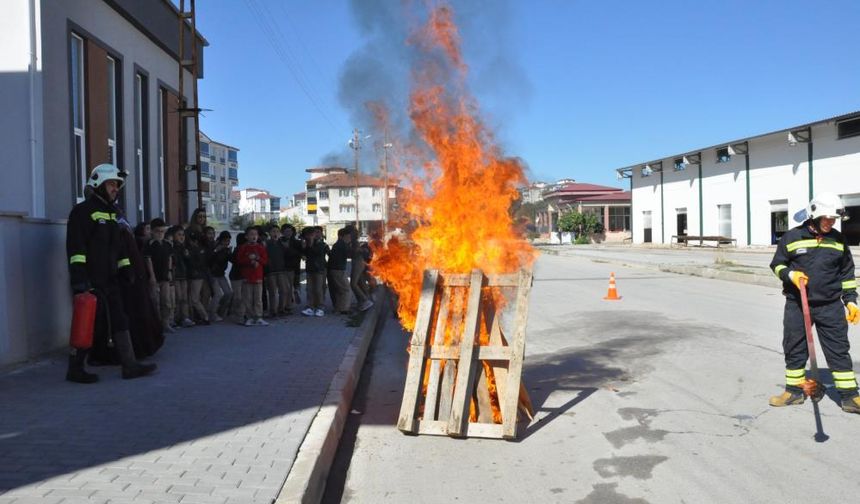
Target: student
[(337, 279), (293, 251), (198, 271), (276, 278), (157, 254), (219, 305), (237, 304), (181, 257), (252, 258), (359, 267), (315, 269)]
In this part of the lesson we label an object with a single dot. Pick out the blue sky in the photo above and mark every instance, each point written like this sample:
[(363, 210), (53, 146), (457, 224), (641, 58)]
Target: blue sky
[(575, 88)]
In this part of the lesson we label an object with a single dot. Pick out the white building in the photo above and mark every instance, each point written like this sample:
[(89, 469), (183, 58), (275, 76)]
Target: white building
[(82, 82), (259, 204), (332, 191), (297, 209), (219, 175), (748, 189)]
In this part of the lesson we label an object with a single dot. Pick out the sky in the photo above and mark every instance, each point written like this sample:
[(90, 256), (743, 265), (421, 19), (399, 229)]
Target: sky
[(574, 88)]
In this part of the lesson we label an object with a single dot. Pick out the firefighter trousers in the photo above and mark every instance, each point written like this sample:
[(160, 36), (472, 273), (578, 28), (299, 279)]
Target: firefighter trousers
[(832, 329)]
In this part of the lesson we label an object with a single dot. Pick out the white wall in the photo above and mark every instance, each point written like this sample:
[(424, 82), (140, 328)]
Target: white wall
[(778, 171)]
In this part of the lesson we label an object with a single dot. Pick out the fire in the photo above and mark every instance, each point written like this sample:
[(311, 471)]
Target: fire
[(457, 207)]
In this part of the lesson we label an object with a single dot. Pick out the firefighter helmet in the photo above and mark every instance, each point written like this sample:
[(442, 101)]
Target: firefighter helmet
[(104, 172), (826, 205)]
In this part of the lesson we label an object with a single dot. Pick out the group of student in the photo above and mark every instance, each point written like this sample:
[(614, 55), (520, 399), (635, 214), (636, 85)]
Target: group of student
[(196, 277)]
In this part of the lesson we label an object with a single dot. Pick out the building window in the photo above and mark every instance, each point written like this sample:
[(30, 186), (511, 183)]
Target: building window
[(140, 147), (680, 165), (723, 155), (204, 149), (79, 132), (347, 209), (725, 220), (204, 167), (849, 128), (322, 195), (112, 126), (344, 193), (377, 207), (234, 174), (232, 156), (375, 191)]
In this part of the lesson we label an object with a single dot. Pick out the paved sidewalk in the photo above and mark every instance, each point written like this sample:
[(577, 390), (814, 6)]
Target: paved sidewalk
[(220, 422)]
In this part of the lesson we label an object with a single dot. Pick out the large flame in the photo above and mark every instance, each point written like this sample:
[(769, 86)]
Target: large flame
[(458, 203)]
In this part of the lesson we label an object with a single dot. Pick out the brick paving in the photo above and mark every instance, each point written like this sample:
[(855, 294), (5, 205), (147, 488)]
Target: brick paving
[(220, 422)]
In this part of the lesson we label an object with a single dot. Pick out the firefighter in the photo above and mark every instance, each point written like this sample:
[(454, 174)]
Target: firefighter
[(817, 254), (98, 262)]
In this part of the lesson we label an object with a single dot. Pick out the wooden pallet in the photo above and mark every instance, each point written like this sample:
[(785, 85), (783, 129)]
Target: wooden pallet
[(455, 374)]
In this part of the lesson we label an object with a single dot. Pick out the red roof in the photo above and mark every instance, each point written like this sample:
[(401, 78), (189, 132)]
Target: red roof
[(613, 196), (261, 196), (577, 187)]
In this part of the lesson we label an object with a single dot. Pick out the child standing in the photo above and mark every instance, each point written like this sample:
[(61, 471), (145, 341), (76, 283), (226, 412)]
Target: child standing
[(252, 258), (337, 279), (198, 271), (157, 254), (276, 277), (315, 267), (219, 285), (180, 277)]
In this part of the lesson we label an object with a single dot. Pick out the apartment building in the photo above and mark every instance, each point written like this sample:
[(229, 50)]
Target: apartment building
[(219, 175)]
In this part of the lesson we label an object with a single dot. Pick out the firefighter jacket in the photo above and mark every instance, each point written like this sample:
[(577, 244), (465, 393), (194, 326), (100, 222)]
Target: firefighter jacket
[(826, 259), (96, 251)]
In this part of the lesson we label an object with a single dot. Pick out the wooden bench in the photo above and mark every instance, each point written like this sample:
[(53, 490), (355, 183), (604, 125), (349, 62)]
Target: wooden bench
[(687, 240)]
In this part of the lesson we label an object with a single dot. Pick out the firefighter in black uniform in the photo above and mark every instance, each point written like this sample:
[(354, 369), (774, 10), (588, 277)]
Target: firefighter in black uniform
[(817, 253), (98, 262)]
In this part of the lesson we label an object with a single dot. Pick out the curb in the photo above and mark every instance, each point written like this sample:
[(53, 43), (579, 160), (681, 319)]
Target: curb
[(765, 279), (306, 480)]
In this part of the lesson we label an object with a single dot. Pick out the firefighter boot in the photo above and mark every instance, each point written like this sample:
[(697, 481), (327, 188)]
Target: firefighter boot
[(787, 398), (130, 367), (76, 372), (851, 404)]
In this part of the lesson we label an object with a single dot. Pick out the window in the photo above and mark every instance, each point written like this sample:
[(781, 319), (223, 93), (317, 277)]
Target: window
[(848, 128), (680, 165), (140, 147), (347, 209), (78, 130), (343, 193), (619, 218), (375, 191), (723, 155), (161, 92), (204, 149), (322, 195), (377, 207), (234, 174), (233, 156), (112, 127), (204, 167), (725, 220)]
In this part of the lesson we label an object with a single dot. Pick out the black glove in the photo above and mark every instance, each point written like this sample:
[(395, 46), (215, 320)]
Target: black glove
[(81, 287)]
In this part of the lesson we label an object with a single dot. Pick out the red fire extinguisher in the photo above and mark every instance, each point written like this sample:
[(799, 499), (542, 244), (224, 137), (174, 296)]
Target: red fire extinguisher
[(83, 320)]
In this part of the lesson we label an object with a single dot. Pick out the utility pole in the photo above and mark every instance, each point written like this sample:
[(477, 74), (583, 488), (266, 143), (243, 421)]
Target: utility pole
[(354, 143), (385, 147)]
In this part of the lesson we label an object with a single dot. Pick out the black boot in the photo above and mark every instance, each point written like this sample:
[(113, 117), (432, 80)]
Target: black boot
[(76, 372), (130, 367)]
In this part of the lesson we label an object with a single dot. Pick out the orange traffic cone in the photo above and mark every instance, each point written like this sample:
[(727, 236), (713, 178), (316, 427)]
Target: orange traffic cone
[(612, 294)]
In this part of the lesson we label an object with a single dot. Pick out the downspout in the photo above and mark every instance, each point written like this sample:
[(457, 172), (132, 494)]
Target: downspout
[(701, 209), (34, 178), (809, 162), (662, 211), (749, 210)]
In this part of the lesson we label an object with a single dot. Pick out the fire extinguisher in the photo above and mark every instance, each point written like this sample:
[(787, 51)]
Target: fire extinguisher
[(83, 320)]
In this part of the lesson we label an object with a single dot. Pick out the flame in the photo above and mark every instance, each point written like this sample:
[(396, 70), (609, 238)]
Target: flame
[(459, 187)]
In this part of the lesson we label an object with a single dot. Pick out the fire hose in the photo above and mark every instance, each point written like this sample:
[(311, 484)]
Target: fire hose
[(812, 384)]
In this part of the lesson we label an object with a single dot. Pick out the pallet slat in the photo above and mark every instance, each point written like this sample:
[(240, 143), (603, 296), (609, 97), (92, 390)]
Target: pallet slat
[(466, 364), (515, 367)]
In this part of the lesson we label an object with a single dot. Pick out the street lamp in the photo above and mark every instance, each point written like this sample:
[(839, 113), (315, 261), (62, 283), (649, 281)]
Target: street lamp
[(385, 148), (355, 144)]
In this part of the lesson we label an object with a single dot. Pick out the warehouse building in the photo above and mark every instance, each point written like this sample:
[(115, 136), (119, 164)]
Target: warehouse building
[(748, 190)]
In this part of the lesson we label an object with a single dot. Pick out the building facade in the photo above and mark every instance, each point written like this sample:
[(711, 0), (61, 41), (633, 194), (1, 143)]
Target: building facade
[(335, 197), (84, 82), (748, 189), (259, 204), (610, 204), (219, 175)]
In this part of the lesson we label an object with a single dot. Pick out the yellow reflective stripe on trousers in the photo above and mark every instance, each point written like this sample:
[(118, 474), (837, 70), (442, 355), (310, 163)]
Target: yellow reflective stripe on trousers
[(78, 259), (843, 375), (791, 247), (102, 216), (795, 373), (123, 263), (779, 268), (794, 381), (849, 284), (844, 379)]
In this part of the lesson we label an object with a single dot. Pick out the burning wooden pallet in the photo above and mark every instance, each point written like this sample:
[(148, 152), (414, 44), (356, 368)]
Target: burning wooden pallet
[(458, 346)]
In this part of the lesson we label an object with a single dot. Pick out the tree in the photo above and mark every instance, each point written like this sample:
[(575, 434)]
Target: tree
[(581, 223), (295, 220)]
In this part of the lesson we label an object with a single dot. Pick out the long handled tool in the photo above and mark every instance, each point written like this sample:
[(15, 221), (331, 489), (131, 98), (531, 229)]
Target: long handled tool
[(812, 386)]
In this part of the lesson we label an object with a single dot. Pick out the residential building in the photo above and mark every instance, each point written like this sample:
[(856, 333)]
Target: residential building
[(332, 191), (297, 209), (532, 193), (610, 204), (83, 82), (749, 189), (219, 174), (259, 204)]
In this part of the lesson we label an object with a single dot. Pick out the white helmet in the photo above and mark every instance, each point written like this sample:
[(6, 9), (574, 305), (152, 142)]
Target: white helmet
[(826, 205), (104, 172)]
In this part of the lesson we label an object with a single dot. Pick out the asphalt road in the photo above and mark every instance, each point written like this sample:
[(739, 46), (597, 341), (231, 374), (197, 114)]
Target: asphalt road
[(658, 398)]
